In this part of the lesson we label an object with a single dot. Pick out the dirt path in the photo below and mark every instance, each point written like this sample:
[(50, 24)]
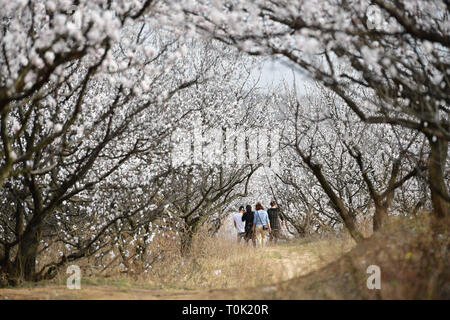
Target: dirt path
[(286, 261), (93, 292)]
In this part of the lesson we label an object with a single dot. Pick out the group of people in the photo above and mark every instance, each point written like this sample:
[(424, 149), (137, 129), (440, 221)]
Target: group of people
[(256, 225)]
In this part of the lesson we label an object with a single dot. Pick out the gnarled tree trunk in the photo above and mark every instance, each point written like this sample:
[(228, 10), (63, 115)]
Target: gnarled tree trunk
[(436, 168), (24, 266)]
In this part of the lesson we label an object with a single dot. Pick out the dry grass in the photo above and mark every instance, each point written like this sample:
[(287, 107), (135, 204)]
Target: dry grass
[(414, 263), (213, 263), (300, 257), (413, 259), (216, 262)]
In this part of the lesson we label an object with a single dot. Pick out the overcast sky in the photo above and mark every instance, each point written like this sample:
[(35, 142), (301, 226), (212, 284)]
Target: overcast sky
[(274, 72)]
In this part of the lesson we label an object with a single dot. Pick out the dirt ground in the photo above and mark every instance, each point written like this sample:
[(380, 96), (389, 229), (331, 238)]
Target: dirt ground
[(287, 262)]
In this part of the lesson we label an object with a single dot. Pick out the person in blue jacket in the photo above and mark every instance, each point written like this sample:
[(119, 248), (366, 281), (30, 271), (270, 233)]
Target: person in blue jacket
[(261, 225)]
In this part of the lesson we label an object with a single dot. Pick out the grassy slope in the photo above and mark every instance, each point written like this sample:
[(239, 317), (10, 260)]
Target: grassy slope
[(414, 264)]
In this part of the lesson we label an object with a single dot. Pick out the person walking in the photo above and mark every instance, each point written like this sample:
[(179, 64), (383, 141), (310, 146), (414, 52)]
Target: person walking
[(274, 218), (248, 217), (239, 225), (261, 225)]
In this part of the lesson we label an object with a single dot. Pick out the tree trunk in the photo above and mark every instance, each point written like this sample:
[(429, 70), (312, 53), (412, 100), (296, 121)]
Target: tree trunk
[(25, 263), (349, 223), (186, 242), (436, 168), (338, 204), (379, 217), (191, 228), (4, 264)]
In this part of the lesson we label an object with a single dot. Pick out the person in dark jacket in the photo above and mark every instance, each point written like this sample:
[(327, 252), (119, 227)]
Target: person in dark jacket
[(274, 218), (248, 218)]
